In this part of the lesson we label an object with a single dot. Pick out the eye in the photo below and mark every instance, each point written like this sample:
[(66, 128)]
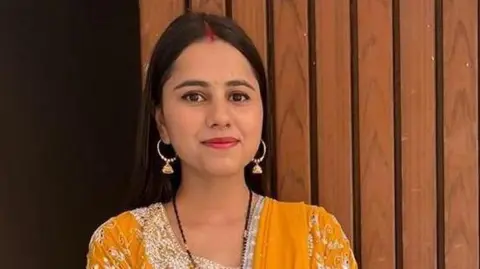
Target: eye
[(193, 97), (239, 97)]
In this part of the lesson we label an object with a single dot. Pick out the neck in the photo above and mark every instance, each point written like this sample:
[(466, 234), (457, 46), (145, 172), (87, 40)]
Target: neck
[(208, 194)]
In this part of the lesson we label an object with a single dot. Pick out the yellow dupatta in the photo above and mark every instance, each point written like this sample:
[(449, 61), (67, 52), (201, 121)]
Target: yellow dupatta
[(295, 235)]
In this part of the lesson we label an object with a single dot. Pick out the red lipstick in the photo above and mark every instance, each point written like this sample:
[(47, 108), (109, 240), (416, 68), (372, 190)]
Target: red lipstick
[(221, 142)]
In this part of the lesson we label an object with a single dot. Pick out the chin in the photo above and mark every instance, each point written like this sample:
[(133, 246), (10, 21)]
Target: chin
[(223, 169)]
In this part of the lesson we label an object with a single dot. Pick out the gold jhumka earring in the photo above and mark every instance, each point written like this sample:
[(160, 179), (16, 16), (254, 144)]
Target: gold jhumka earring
[(167, 168), (257, 169)]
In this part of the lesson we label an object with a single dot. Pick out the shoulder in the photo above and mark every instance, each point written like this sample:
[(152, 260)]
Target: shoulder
[(315, 215), (114, 227), (116, 224), (126, 223), (321, 224), (119, 240), (327, 244), (302, 216), (324, 227), (321, 218)]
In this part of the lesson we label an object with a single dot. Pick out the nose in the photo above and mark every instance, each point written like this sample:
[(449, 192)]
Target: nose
[(218, 115)]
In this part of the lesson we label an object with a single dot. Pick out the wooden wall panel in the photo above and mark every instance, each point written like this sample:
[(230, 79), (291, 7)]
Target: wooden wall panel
[(460, 59), (291, 92), (375, 86), (334, 110), (154, 18), (376, 116), (417, 80), (250, 14), (417, 50), (209, 6)]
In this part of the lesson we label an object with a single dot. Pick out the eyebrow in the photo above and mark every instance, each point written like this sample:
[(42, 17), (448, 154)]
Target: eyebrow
[(192, 83), (239, 82), (204, 84)]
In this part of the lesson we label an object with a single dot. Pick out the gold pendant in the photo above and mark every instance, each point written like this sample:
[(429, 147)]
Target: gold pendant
[(167, 169), (257, 169)]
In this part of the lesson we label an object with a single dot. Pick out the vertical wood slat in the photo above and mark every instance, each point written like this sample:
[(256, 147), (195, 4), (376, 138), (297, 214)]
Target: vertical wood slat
[(250, 15), (209, 6), (376, 133), (334, 110), (291, 93), (154, 18), (417, 37), (460, 61)]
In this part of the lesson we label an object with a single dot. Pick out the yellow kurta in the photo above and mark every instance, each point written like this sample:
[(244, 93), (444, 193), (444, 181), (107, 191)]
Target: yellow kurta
[(281, 235)]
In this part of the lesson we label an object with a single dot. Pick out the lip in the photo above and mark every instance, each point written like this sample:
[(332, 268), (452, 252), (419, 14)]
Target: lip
[(221, 142)]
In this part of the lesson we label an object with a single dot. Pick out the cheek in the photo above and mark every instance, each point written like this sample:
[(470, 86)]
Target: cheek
[(181, 123), (252, 132), (258, 118), (251, 124)]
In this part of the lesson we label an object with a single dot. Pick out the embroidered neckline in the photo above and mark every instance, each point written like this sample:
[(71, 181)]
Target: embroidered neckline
[(252, 234), (164, 250)]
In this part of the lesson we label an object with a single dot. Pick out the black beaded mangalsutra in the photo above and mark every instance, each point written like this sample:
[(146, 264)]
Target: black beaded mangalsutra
[(193, 265)]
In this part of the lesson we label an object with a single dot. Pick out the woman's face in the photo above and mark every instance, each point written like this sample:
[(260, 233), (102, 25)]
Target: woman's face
[(212, 109)]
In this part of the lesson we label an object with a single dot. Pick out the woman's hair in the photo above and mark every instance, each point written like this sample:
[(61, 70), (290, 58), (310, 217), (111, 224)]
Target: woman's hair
[(150, 185)]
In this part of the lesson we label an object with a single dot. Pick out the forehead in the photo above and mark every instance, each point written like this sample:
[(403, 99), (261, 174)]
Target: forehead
[(212, 60)]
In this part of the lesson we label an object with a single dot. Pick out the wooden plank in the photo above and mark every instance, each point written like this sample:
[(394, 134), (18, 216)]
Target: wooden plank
[(376, 133), (460, 61), (417, 49), (209, 6), (250, 15), (291, 100), (154, 19), (334, 110)]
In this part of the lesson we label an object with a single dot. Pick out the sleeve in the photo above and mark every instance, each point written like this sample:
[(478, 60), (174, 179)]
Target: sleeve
[(328, 245), (113, 245)]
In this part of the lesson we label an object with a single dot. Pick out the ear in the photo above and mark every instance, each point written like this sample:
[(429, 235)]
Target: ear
[(161, 128)]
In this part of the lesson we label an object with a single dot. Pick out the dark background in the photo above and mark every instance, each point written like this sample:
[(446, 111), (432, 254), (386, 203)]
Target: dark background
[(69, 92)]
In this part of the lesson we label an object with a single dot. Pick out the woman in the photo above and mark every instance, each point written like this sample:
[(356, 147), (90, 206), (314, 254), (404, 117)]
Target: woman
[(199, 201)]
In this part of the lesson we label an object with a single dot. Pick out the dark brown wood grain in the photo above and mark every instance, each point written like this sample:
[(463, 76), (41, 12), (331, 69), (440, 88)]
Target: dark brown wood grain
[(376, 133), (334, 110), (209, 6), (460, 61), (417, 50), (250, 14), (154, 18), (292, 104)]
